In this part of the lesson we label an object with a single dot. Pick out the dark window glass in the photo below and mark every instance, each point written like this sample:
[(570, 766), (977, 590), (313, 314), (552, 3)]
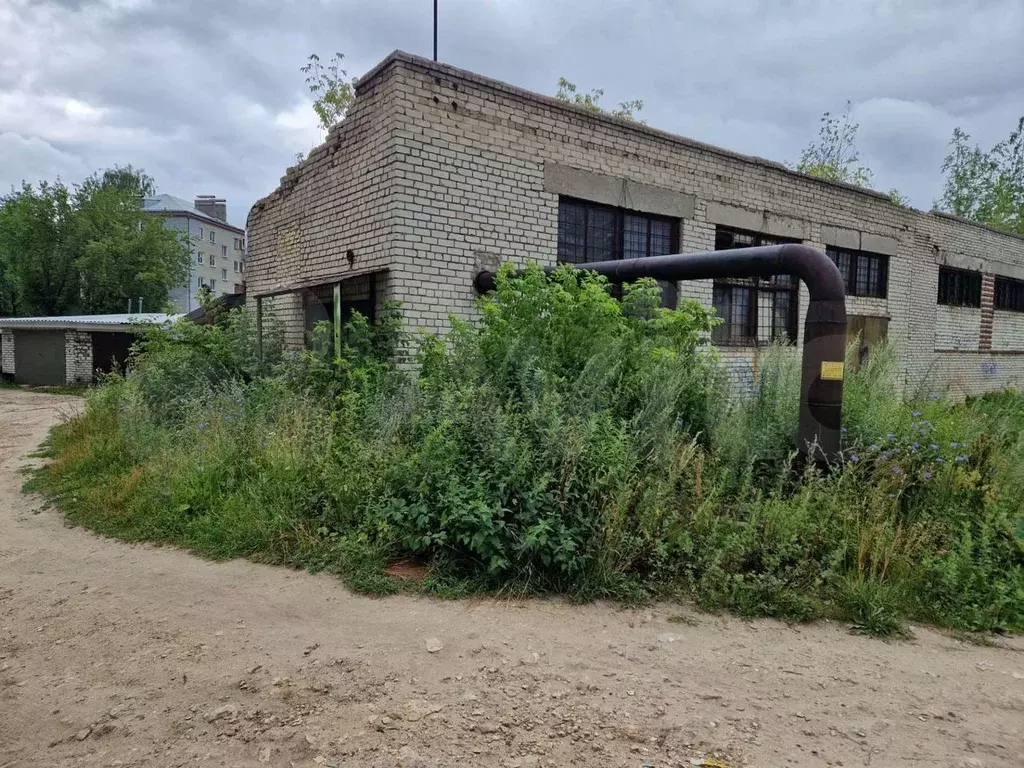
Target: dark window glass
[(959, 287), (754, 310), (1009, 294), (591, 232), (864, 274)]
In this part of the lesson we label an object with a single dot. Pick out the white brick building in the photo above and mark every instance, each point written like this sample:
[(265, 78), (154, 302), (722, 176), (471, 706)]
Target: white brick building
[(437, 172)]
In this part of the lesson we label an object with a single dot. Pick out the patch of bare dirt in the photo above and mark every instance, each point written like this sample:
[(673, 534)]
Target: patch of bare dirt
[(122, 655)]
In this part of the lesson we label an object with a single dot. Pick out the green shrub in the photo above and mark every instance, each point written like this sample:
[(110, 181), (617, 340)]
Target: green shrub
[(567, 441)]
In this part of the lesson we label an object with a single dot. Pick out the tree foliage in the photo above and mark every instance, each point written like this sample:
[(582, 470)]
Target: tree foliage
[(332, 92), (834, 156), (87, 248), (987, 187), (568, 92)]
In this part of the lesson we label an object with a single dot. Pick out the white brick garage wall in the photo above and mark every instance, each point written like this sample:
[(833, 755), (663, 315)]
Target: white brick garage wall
[(473, 170)]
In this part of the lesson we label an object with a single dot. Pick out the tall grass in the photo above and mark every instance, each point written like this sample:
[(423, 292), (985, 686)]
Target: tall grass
[(567, 442)]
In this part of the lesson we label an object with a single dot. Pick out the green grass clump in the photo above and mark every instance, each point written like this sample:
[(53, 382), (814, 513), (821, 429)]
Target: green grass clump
[(567, 442)]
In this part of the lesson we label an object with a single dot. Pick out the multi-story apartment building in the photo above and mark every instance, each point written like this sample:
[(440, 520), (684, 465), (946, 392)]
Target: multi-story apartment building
[(218, 248), (436, 173)]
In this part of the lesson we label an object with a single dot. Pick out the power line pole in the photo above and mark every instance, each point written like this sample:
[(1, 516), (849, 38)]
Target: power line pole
[(435, 30)]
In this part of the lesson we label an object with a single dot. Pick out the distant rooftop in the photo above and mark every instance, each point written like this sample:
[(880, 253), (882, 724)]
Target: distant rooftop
[(172, 204), (81, 322)]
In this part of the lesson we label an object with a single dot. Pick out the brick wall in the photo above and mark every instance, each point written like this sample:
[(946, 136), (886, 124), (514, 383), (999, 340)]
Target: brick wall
[(1008, 331), (7, 352), (469, 171), (78, 357)]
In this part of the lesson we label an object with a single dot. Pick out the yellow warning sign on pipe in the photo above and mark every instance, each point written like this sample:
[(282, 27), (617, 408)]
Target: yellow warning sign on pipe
[(831, 371)]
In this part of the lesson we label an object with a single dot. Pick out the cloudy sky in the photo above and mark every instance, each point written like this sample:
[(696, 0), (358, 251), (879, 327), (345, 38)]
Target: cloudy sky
[(207, 96)]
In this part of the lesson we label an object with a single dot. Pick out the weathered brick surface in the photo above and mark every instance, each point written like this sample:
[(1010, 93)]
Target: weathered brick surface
[(78, 357), (7, 352), (438, 171)]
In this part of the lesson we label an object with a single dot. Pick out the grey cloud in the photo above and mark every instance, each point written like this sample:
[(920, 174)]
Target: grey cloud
[(208, 97)]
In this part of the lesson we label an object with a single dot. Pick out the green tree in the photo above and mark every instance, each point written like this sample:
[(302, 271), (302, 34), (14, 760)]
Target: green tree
[(86, 249), (123, 252), (834, 156), (37, 250), (568, 92), (332, 92), (987, 187)]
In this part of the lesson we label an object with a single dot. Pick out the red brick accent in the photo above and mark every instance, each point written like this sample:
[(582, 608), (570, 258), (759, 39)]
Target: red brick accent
[(988, 294)]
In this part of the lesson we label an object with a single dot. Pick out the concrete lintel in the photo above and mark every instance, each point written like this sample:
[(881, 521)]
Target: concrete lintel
[(962, 261), (785, 226), (841, 237), (733, 216), (879, 244), (610, 190)]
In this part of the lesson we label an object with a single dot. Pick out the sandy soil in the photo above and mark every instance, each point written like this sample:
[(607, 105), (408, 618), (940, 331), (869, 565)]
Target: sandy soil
[(121, 655)]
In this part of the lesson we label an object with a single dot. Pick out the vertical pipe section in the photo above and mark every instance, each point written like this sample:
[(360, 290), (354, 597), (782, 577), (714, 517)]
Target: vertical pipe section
[(259, 332), (337, 321), (821, 381)]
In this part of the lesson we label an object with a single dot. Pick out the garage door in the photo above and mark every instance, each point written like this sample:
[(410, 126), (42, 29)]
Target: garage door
[(39, 357)]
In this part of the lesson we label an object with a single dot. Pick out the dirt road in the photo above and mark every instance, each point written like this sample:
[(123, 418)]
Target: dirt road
[(121, 655)]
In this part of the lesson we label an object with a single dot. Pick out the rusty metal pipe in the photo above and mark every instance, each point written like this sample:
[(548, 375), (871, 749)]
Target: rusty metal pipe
[(821, 380)]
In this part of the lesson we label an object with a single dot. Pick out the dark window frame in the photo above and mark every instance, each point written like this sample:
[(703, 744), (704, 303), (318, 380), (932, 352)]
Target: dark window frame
[(860, 262), (959, 288), (1009, 294), (616, 249), (727, 292)]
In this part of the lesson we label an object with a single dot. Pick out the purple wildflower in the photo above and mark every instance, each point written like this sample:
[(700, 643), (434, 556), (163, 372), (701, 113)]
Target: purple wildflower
[(939, 459), (934, 447), (890, 436), (926, 475), (915, 414), (203, 425), (873, 448), (934, 396), (855, 459), (954, 444), (914, 446), (897, 470), (962, 459), (842, 429), (228, 417)]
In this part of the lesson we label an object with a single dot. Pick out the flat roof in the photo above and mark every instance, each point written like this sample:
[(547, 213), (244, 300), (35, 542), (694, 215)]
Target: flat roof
[(123, 322)]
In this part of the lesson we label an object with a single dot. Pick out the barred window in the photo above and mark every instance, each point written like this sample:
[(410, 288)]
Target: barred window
[(1009, 294), (590, 232), (959, 287), (755, 310), (864, 273)]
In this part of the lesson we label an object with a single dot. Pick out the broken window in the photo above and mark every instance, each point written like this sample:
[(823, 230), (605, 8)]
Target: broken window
[(755, 310), (1009, 294), (864, 273), (959, 287)]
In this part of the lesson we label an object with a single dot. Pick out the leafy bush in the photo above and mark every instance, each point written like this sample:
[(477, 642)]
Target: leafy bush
[(569, 442)]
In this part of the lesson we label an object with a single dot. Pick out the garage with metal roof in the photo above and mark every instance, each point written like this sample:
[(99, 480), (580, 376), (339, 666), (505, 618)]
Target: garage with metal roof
[(71, 349)]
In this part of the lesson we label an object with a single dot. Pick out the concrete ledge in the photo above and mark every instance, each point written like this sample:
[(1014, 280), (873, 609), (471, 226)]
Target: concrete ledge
[(734, 216), (622, 193), (888, 246), (840, 237)]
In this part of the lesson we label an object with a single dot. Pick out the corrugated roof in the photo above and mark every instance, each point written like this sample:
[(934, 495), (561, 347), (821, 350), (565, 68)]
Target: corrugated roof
[(172, 204), (78, 322)]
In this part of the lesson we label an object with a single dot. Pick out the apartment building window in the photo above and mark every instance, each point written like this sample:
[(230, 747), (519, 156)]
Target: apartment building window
[(241, 266), (590, 232), (224, 251), (235, 265), (213, 260), (1009, 294), (200, 233), (864, 273), (199, 258), (213, 284), (959, 287), (238, 243), (755, 310), (224, 274), (199, 282)]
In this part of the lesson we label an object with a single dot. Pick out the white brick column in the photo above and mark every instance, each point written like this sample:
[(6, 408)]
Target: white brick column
[(7, 352), (78, 357)]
